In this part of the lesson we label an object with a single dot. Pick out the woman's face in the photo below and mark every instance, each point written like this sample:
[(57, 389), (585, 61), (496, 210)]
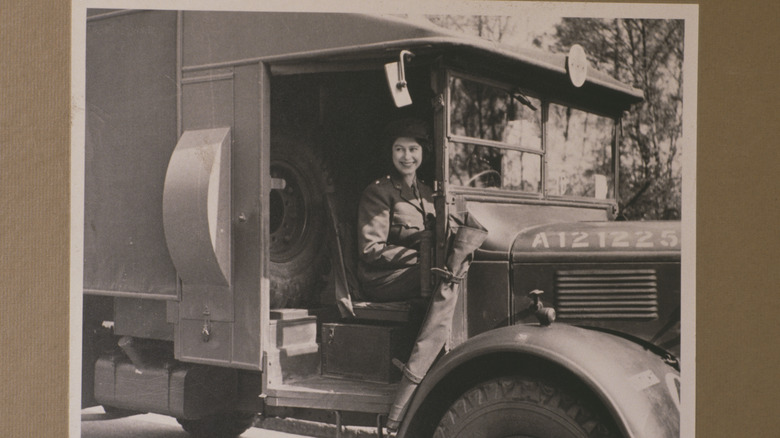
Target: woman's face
[(407, 155)]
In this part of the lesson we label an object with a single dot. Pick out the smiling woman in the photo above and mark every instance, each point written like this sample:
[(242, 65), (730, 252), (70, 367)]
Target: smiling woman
[(392, 217), (407, 157)]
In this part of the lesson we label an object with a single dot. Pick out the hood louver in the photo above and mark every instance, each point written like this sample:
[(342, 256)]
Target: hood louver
[(607, 294)]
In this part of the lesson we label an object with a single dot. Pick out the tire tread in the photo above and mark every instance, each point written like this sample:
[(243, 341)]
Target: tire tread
[(532, 391)]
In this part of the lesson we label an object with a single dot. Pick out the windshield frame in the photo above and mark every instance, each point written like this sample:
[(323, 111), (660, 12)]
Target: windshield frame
[(543, 195)]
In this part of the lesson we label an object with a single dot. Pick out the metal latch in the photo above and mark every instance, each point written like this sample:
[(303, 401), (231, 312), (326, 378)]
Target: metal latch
[(331, 335), (205, 332)]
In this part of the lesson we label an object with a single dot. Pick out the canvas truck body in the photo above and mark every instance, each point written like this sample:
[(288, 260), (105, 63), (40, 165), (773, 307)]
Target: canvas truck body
[(225, 156)]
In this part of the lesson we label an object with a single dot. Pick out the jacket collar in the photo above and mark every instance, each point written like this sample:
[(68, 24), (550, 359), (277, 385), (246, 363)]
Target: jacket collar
[(406, 192)]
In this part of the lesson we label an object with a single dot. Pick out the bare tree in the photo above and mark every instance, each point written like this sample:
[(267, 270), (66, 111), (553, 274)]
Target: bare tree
[(649, 55)]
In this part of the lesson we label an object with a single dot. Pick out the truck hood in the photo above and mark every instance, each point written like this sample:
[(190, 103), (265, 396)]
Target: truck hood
[(605, 240)]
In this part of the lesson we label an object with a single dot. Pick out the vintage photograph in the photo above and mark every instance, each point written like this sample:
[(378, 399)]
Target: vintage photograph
[(450, 222)]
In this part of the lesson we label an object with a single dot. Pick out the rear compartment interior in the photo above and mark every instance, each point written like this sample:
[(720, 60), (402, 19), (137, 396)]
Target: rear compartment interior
[(341, 117)]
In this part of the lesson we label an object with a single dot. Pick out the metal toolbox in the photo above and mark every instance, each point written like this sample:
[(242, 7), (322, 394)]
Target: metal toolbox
[(364, 352)]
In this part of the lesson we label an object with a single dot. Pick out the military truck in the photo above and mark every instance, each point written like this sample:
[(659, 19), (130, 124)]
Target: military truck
[(225, 156)]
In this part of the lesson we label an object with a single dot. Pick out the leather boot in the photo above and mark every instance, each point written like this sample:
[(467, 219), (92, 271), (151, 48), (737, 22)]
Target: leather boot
[(403, 394), (468, 235)]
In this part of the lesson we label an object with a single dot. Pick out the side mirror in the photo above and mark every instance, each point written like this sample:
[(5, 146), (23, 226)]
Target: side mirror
[(396, 80)]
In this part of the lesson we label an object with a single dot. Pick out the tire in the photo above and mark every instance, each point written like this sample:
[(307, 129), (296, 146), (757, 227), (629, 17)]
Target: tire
[(298, 224), (226, 425), (519, 406), (114, 412)]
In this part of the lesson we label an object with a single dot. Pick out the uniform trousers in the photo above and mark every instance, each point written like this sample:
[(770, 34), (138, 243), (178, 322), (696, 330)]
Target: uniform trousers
[(402, 285)]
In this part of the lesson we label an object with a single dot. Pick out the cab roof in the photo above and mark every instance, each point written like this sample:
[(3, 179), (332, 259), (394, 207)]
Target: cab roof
[(217, 37)]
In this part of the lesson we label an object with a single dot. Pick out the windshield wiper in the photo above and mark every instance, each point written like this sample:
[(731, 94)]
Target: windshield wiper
[(517, 95)]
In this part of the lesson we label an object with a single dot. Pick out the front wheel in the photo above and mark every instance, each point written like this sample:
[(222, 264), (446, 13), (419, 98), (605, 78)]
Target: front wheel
[(519, 406), (225, 425)]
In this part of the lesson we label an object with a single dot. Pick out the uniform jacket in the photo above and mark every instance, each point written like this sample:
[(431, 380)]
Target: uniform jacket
[(390, 218)]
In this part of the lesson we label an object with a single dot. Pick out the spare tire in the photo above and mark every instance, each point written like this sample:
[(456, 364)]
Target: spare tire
[(298, 224)]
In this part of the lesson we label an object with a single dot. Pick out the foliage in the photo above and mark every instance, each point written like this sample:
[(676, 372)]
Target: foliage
[(647, 54), (494, 28)]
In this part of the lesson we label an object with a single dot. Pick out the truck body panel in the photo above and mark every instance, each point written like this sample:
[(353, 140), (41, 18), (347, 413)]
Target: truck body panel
[(130, 134), (139, 104)]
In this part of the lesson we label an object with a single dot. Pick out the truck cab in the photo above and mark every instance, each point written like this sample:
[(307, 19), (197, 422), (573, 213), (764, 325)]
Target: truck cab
[(226, 154)]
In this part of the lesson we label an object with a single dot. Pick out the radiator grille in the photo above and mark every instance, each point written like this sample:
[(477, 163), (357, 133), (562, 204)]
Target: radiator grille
[(607, 294)]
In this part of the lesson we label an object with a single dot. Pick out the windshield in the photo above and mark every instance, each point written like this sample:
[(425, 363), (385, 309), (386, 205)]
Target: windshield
[(500, 140), (510, 156), (579, 153)]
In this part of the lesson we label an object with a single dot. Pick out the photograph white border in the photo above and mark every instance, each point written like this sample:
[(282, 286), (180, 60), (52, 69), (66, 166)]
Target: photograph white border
[(687, 12)]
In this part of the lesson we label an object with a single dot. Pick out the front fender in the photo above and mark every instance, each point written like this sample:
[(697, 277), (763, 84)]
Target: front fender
[(639, 389)]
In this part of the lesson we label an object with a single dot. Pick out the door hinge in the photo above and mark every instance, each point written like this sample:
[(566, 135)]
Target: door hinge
[(437, 102)]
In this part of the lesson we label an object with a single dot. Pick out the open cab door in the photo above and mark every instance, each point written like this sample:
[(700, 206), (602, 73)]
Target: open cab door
[(215, 215)]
